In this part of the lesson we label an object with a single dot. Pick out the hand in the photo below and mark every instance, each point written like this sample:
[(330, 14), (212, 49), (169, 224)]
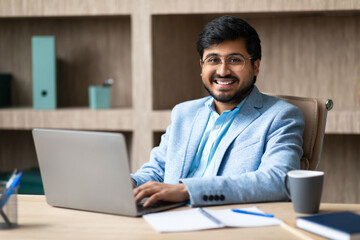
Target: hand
[(161, 191)]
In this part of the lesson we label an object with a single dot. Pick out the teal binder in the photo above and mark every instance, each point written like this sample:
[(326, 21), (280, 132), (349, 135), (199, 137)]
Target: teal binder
[(44, 72)]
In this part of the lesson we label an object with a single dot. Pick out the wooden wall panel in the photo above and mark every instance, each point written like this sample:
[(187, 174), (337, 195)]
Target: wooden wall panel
[(88, 51), (176, 75), (15, 8), (248, 6), (17, 150), (315, 56), (341, 163), (305, 55)]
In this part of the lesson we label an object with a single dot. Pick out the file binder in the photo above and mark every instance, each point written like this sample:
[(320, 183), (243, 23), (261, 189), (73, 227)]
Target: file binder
[(44, 72)]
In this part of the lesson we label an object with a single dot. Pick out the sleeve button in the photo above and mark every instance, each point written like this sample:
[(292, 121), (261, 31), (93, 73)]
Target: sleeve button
[(211, 197), (222, 197), (205, 197), (216, 198)]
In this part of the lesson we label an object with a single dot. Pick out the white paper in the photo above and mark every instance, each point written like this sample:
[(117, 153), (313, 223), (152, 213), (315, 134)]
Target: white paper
[(233, 219), (193, 219), (175, 221)]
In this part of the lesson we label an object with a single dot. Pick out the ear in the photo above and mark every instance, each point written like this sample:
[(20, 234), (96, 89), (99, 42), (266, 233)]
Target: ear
[(256, 67), (200, 63)]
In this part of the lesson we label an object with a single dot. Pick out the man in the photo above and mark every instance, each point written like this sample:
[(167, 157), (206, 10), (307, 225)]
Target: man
[(235, 146)]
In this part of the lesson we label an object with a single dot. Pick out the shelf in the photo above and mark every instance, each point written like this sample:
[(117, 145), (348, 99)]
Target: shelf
[(343, 122), (49, 8), (249, 6), (67, 118), (88, 51), (160, 120)]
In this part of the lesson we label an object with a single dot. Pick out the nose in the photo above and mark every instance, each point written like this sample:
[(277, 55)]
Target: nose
[(223, 69)]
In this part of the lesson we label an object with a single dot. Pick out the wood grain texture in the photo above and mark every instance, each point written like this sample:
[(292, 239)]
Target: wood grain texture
[(142, 89), (17, 150), (341, 163), (24, 8), (67, 118), (246, 6), (176, 64), (88, 52), (314, 56), (38, 220), (343, 122)]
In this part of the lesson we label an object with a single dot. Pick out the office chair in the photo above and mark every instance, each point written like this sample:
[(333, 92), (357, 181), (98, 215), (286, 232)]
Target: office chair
[(315, 112)]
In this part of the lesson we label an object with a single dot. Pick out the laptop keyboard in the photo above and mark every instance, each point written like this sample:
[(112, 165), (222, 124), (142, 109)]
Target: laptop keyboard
[(157, 206)]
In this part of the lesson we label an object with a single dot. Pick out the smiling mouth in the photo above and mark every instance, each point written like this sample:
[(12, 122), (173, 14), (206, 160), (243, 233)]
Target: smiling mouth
[(224, 83)]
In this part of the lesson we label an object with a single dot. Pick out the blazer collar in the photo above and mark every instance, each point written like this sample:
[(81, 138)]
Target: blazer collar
[(197, 131), (248, 113)]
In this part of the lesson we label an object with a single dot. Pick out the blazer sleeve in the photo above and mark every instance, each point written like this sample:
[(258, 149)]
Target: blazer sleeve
[(282, 153)]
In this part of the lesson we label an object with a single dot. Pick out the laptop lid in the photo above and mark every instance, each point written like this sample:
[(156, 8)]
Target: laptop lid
[(85, 170)]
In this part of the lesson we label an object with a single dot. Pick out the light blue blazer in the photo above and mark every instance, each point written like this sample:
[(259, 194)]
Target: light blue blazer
[(263, 143)]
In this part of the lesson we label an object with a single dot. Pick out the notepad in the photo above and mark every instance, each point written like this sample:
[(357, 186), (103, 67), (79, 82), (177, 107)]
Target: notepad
[(195, 219), (338, 225)]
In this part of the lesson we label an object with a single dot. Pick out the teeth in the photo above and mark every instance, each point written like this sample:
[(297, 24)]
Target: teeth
[(224, 83)]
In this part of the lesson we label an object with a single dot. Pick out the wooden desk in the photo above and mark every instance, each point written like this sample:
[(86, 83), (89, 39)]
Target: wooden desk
[(37, 220)]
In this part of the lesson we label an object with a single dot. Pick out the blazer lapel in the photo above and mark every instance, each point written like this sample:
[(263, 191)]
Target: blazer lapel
[(196, 133), (248, 113)]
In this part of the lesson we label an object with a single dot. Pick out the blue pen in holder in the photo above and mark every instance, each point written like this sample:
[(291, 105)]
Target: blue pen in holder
[(8, 201)]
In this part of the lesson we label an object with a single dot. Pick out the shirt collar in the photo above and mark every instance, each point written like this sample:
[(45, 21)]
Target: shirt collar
[(211, 104)]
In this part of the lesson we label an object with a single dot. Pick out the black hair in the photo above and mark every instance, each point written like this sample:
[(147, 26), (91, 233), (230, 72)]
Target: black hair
[(229, 28)]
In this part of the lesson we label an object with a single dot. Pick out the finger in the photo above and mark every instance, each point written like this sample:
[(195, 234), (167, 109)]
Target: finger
[(142, 194), (146, 192), (137, 190), (155, 197)]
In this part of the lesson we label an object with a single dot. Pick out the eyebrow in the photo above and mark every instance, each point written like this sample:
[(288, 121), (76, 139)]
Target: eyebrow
[(216, 54)]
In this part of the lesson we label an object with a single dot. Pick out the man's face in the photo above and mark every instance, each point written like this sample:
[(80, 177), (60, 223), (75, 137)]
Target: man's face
[(224, 82)]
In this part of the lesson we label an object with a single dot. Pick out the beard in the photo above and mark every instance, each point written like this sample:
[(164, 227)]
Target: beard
[(224, 97)]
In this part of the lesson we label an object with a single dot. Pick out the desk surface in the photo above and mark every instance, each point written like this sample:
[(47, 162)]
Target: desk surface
[(37, 220)]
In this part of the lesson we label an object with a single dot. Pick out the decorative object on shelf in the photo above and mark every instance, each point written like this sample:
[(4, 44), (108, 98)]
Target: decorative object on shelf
[(5, 90), (100, 96), (44, 72)]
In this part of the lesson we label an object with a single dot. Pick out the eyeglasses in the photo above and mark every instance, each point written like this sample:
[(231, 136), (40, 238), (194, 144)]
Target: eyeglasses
[(236, 62)]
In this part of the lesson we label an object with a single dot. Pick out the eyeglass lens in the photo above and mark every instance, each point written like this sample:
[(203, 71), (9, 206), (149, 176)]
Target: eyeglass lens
[(235, 62)]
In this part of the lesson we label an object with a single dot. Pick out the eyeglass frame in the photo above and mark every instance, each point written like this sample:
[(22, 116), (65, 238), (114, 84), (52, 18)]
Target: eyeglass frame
[(226, 56)]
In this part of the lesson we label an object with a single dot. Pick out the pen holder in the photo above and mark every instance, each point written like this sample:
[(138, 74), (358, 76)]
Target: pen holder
[(99, 97), (8, 213)]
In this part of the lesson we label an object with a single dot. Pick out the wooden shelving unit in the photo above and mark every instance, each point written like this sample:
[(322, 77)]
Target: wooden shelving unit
[(310, 48)]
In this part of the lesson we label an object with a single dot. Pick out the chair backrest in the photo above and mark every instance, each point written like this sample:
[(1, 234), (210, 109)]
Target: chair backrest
[(315, 113)]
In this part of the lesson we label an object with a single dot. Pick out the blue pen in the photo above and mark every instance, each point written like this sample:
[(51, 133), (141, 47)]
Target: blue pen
[(252, 213), (11, 179), (14, 182)]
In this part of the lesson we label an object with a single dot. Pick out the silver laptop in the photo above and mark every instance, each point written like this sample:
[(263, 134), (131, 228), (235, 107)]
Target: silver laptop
[(88, 171)]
